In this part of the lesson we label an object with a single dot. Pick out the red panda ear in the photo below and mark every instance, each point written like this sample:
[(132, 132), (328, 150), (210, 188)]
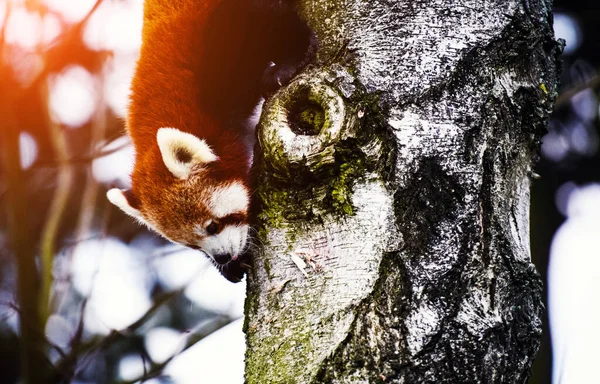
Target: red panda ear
[(120, 199), (181, 151)]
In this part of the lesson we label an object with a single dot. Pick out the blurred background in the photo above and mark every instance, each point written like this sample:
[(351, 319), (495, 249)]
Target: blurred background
[(65, 69), (565, 205), (125, 305)]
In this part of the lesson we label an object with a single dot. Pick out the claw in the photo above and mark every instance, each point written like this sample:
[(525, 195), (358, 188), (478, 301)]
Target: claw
[(245, 266)]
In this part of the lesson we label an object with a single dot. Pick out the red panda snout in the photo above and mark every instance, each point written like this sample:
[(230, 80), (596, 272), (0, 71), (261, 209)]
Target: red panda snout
[(227, 245)]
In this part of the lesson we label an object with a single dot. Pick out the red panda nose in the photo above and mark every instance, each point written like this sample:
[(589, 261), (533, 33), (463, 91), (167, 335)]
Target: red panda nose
[(223, 258)]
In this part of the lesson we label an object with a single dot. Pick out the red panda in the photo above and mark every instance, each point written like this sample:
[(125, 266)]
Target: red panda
[(203, 67)]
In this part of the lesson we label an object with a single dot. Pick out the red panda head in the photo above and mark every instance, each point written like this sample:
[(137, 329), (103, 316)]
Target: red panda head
[(193, 208)]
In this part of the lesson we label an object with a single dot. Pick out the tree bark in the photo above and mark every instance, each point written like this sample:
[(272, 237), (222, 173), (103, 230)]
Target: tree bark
[(397, 169)]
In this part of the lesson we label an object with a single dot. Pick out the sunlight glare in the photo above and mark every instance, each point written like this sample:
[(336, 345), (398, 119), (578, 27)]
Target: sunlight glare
[(59, 330), (23, 28), (213, 292), (51, 28), (206, 287), (28, 149), (567, 27), (204, 362), (116, 167), (71, 10), (115, 26), (73, 97), (162, 343), (117, 280), (573, 289), (131, 367), (118, 72), (585, 105), (179, 268), (555, 146), (2, 13)]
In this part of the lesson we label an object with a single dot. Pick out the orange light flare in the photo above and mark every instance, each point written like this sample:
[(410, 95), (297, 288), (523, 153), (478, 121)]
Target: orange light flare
[(39, 37), (40, 40), (27, 27), (45, 41)]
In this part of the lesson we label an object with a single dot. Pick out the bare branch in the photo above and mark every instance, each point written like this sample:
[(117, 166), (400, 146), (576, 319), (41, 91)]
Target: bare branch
[(34, 364), (83, 160), (83, 350), (58, 205), (566, 96), (189, 340)]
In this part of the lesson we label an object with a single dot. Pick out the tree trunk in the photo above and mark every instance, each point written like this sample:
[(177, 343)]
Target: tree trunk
[(393, 183)]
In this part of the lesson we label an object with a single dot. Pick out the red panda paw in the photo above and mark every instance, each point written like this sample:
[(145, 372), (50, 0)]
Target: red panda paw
[(276, 76)]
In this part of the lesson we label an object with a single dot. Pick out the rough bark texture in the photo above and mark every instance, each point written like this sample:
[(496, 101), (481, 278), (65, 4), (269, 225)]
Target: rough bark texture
[(398, 169)]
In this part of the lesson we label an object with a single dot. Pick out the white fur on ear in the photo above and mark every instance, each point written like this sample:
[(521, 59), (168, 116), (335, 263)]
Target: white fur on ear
[(181, 151), (118, 198)]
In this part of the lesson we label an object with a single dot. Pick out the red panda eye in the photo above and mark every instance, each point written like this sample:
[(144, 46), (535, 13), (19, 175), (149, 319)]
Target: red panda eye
[(212, 228)]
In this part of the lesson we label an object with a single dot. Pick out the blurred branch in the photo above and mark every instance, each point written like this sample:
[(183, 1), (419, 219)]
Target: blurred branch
[(67, 364), (34, 365), (194, 336), (57, 209), (99, 154), (84, 160), (86, 215), (61, 48), (17, 310), (91, 189), (80, 351), (568, 94), (65, 369)]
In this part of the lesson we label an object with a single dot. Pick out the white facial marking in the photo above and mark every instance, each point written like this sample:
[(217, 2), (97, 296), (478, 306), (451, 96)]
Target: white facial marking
[(172, 141), (117, 197), (230, 199), (231, 240)]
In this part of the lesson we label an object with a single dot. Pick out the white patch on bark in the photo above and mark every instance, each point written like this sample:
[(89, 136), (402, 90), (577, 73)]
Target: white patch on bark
[(520, 218), (439, 44), (508, 83), (349, 254), (422, 323)]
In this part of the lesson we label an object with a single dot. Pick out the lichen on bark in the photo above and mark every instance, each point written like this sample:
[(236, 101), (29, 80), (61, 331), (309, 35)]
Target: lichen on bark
[(395, 245)]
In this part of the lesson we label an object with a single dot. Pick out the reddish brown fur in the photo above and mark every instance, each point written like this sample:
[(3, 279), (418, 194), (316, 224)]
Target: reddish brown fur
[(166, 92), (202, 70)]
